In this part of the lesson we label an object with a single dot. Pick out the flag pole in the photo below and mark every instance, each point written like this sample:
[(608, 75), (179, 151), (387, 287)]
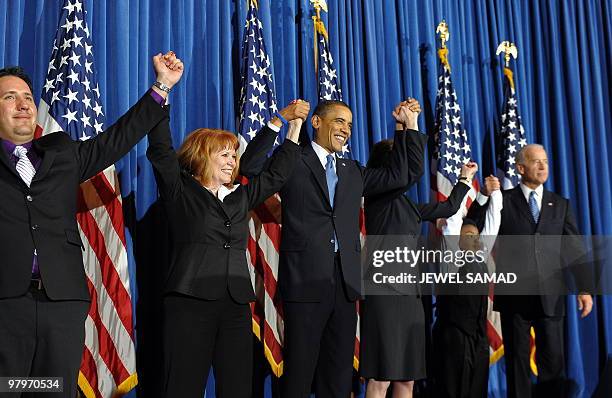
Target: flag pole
[(510, 50), (442, 30), (316, 20)]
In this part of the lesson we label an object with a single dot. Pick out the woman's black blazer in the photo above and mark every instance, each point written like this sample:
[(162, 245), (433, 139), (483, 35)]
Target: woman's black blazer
[(209, 237)]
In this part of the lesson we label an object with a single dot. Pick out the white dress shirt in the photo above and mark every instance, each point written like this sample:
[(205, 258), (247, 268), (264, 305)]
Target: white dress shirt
[(452, 230), (322, 155), (223, 191), (527, 191)]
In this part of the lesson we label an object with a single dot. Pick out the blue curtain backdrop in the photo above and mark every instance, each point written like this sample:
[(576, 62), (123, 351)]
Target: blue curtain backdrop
[(385, 50)]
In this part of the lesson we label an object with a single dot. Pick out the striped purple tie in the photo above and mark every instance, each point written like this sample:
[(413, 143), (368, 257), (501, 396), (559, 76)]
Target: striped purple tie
[(24, 167)]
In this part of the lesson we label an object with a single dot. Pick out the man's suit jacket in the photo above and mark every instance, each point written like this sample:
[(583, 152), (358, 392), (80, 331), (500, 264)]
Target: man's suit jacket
[(306, 266), (42, 216), (535, 251), (209, 237)]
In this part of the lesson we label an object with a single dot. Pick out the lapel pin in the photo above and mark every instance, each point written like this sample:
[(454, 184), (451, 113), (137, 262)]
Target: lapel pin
[(550, 203), (342, 163)]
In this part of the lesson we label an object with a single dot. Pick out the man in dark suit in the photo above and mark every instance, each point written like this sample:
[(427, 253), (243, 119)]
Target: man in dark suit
[(531, 213), (319, 270), (43, 291)]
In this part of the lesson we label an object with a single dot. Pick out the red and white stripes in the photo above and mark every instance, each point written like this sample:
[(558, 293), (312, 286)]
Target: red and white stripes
[(108, 366)]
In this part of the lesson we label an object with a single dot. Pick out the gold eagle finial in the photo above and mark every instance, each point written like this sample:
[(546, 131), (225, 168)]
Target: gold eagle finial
[(509, 49), (442, 29), (319, 5)]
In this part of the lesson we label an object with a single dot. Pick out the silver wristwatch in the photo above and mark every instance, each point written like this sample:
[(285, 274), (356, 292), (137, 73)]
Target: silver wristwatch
[(162, 86)]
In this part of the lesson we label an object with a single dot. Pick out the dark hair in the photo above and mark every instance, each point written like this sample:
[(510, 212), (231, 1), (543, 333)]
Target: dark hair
[(17, 71), (324, 106), (379, 157), (469, 221)]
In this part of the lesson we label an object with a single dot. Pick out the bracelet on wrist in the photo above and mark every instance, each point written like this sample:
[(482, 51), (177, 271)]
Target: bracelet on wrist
[(281, 118), (162, 86)]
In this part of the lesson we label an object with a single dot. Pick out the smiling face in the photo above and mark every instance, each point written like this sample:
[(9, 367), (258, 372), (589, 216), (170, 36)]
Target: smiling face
[(333, 127), (533, 168), (222, 164), (210, 156), (17, 110)]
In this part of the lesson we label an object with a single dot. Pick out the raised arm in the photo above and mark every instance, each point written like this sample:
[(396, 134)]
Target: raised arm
[(478, 209), (96, 154), (406, 161), (253, 160), (445, 209), (165, 163), (406, 116), (492, 220), (451, 229), (279, 169)]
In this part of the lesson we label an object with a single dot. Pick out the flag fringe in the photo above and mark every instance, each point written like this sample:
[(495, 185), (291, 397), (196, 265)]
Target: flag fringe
[(510, 75), (126, 386), (85, 387), (277, 367), (256, 329), (532, 359), (443, 55), (496, 355)]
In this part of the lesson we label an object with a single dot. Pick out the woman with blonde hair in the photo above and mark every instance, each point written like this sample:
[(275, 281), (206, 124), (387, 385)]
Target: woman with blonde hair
[(207, 318)]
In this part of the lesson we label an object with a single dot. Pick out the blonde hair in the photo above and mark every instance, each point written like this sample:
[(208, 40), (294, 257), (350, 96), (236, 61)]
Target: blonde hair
[(196, 152)]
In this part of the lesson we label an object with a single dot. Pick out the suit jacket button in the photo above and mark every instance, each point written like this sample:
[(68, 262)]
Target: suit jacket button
[(29, 198), (228, 224), (226, 246), (34, 227)]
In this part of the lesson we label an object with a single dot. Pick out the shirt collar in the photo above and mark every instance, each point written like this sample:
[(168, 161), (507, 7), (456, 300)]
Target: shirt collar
[(526, 190), (223, 191), (322, 153), (9, 147)]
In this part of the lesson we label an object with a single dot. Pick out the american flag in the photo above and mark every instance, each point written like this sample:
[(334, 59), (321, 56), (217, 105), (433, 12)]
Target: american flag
[(512, 137), (257, 104), (329, 87), (257, 99), (452, 149), (70, 102), (510, 140)]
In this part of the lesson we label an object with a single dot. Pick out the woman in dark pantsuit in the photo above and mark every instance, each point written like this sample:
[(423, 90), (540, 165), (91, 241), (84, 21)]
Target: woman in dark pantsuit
[(207, 319)]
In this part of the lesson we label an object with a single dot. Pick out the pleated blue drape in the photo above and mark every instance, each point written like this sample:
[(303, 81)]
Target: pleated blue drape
[(385, 51)]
